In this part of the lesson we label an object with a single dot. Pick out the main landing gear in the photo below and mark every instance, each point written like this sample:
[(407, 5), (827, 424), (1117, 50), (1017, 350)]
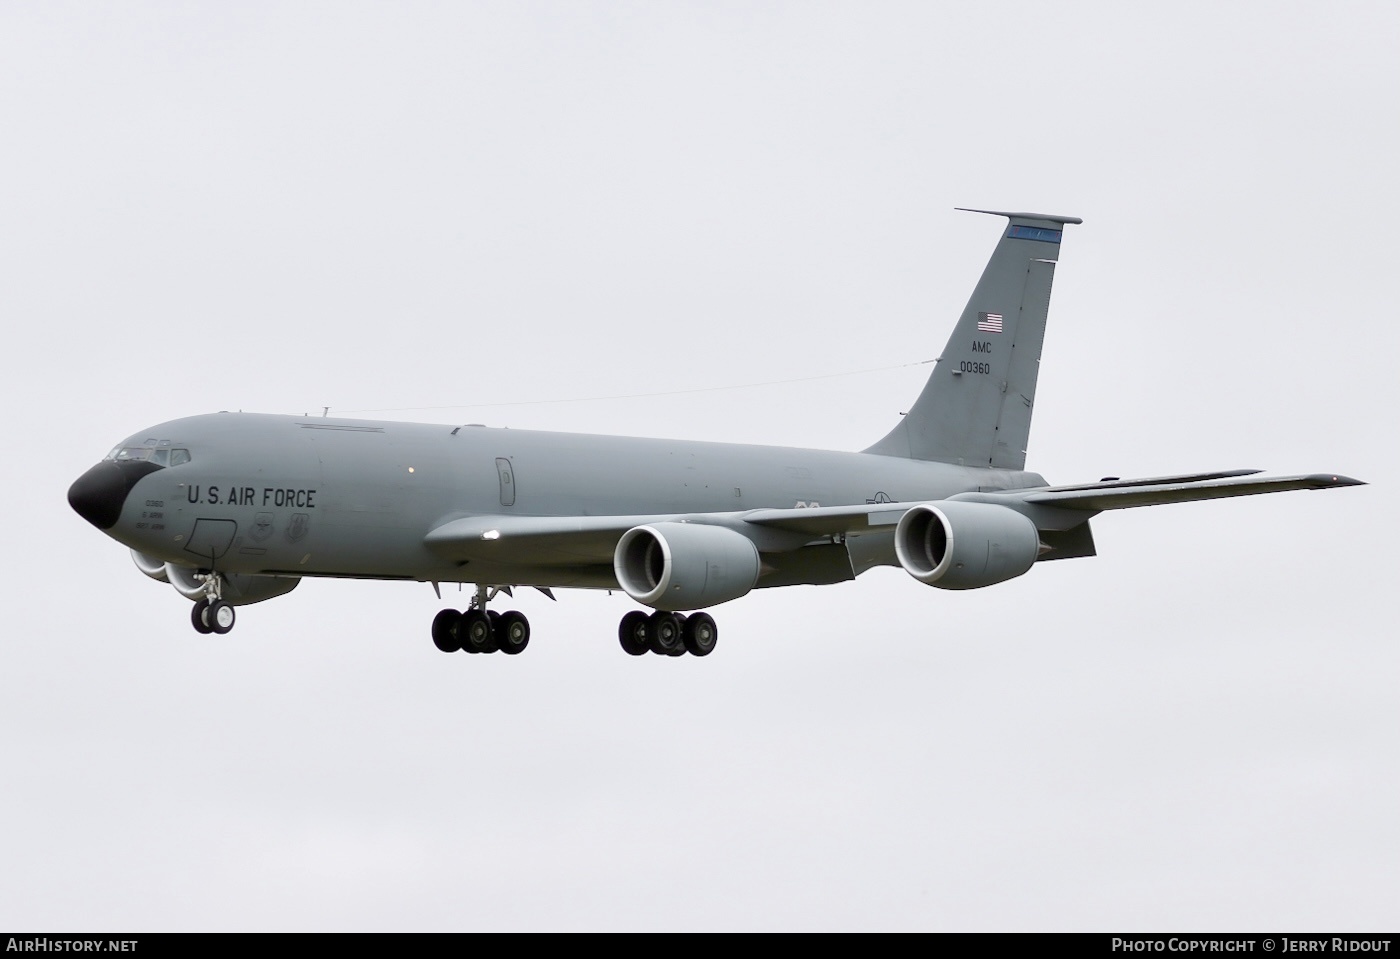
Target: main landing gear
[(667, 634), (479, 630), (482, 630), (212, 614)]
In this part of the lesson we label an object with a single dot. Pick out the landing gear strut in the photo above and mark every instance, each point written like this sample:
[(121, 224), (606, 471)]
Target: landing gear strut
[(479, 630)]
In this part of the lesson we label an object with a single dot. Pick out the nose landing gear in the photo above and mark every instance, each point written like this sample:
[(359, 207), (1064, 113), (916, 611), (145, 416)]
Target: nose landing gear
[(212, 614)]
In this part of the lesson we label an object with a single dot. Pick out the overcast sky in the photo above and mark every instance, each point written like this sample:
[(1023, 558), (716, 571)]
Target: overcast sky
[(429, 209)]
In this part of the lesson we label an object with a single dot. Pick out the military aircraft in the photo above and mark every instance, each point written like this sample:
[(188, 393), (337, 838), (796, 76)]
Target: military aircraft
[(235, 508)]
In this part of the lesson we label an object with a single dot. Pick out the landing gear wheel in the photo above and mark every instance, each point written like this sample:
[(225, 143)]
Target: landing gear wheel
[(632, 633), (700, 634), (664, 634), (512, 632), (445, 626), (197, 617), (220, 616), (476, 633)]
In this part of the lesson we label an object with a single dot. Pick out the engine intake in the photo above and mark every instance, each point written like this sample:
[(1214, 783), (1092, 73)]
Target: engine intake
[(955, 545), (683, 566)]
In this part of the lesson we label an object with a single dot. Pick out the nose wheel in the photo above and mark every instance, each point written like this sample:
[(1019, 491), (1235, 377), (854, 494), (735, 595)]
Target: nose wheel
[(211, 613), (199, 617), (216, 617)]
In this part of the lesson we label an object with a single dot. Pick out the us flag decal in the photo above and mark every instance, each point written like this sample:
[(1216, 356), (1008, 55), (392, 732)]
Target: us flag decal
[(989, 322)]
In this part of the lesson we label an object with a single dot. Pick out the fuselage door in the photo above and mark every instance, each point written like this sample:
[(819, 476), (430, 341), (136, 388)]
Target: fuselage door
[(507, 481), (211, 538)]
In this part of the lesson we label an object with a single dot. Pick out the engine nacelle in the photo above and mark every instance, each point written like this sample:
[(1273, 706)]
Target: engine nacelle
[(239, 588), (184, 580), (682, 566), (152, 567), (955, 545)]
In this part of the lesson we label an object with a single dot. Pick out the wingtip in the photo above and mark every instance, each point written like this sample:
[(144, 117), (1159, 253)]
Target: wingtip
[(1332, 480)]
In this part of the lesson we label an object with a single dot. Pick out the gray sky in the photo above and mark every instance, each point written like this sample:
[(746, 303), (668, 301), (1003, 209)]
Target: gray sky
[(280, 207)]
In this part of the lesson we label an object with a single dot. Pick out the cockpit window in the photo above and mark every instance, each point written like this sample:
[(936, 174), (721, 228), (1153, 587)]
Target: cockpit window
[(161, 456)]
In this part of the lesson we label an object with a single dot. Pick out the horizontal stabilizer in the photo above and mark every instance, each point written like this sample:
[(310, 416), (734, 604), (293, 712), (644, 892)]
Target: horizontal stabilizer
[(1051, 217)]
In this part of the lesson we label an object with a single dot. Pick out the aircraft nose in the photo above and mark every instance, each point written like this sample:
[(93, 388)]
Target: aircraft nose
[(98, 495)]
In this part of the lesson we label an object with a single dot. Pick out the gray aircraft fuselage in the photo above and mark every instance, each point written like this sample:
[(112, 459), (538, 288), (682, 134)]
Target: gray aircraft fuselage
[(287, 495)]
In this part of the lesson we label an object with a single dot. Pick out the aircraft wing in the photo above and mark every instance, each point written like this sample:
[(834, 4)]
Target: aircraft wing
[(572, 541), (541, 540), (1121, 495), (1094, 497), (830, 520), (575, 540), (584, 540)]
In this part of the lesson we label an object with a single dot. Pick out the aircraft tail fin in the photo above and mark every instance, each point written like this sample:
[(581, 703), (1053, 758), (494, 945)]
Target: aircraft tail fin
[(976, 408)]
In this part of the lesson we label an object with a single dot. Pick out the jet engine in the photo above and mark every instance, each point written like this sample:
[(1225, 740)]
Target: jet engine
[(152, 567), (955, 545), (239, 589), (682, 566)]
